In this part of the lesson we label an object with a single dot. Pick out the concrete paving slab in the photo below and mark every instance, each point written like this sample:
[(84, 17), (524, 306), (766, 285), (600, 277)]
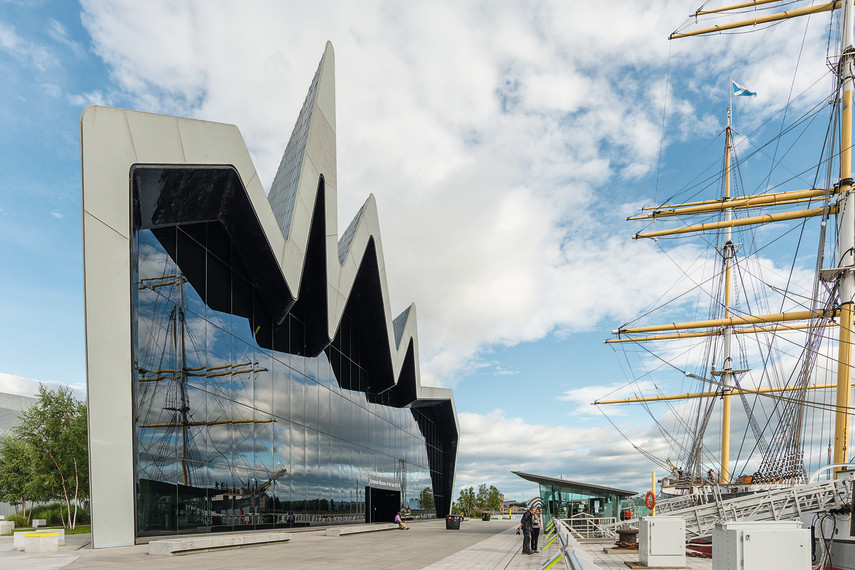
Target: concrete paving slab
[(426, 543)]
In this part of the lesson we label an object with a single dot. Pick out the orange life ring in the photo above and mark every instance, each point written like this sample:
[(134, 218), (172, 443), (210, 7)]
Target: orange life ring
[(650, 500)]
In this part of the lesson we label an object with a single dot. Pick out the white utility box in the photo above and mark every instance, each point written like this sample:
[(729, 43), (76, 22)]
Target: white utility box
[(782, 545), (662, 541)]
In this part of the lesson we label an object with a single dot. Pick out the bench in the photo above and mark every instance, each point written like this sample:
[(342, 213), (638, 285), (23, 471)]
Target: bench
[(190, 545), (39, 522), (60, 531), (6, 527), (19, 537), (41, 542), (356, 529)]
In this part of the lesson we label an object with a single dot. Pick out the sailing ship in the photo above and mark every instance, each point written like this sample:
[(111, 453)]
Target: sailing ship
[(780, 347)]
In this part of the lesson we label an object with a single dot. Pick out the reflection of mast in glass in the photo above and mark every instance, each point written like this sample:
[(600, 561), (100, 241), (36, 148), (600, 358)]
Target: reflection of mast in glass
[(401, 477), (176, 401)]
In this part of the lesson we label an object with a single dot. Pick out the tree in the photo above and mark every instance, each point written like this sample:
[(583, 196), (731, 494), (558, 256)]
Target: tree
[(55, 430), (481, 498), (488, 499), (494, 499), (16, 473), (426, 501), (466, 501)]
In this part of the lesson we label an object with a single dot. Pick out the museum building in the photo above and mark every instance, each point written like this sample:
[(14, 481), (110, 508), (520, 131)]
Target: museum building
[(244, 370)]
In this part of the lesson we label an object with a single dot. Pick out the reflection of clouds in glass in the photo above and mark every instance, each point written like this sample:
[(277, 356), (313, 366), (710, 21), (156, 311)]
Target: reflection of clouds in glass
[(328, 440)]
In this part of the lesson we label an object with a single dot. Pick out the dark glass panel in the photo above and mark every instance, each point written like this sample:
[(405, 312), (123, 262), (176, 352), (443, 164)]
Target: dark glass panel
[(281, 390), (298, 449), (193, 504), (243, 445), (263, 458), (351, 472), (335, 412), (323, 417), (193, 437), (298, 494), (263, 393), (312, 460), (282, 446), (311, 403), (157, 494), (324, 457), (345, 414), (245, 481), (335, 459), (282, 497), (220, 414), (298, 398)]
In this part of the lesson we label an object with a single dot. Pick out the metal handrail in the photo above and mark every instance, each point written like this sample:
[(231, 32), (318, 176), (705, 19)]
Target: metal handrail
[(826, 468), (566, 549)]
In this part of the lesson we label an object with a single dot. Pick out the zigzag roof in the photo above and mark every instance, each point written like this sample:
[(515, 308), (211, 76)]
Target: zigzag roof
[(303, 193)]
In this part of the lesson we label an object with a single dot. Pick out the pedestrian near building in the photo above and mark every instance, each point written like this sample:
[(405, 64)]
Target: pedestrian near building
[(526, 526), (535, 528)]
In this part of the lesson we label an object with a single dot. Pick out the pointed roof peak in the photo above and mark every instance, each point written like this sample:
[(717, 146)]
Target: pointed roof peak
[(319, 105)]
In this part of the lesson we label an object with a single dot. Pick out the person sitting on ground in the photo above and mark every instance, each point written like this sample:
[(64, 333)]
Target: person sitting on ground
[(400, 522)]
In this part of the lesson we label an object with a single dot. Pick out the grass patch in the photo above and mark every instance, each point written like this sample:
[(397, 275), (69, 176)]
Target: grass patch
[(80, 529)]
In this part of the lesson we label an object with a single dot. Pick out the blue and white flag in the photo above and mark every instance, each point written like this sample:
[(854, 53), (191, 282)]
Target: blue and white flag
[(741, 91)]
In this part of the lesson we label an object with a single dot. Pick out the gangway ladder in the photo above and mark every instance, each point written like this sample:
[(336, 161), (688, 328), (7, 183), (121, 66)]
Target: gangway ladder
[(775, 504)]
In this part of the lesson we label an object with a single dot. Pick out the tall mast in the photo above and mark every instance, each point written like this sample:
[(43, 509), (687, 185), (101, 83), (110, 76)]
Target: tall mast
[(845, 240), (844, 209), (727, 376)]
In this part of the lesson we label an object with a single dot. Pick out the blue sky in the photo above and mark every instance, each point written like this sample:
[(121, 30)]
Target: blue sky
[(506, 143)]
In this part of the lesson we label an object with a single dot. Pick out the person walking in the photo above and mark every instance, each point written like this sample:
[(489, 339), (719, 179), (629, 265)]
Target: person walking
[(535, 528), (525, 525)]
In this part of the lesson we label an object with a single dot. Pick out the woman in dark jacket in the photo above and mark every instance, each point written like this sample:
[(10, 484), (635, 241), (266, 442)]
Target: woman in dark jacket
[(525, 525)]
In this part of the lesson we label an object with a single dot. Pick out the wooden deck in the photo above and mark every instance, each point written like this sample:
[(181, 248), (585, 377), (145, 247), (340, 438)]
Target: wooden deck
[(614, 559)]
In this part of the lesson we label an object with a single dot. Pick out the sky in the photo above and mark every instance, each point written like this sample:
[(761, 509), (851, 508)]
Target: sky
[(506, 142)]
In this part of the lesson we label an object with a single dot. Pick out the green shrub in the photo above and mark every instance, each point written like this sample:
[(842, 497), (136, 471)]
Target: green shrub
[(51, 514), (39, 511), (19, 520)]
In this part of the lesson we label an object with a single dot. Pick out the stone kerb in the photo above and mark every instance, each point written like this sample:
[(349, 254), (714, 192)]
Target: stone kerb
[(41, 542), (173, 546), (356, 529)]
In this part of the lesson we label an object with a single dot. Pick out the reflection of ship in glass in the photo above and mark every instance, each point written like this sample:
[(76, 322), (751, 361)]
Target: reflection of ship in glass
[(171, 378), (231, 434)]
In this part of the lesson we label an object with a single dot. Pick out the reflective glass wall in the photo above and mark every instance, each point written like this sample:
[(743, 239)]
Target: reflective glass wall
[(232, 436), (567, 502)]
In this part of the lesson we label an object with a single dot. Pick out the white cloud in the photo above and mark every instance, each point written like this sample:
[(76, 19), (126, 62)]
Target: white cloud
[(23, 386), (491, 145), (583, 396), (22, 49), (59, 34), (494, 445), (91, 98)]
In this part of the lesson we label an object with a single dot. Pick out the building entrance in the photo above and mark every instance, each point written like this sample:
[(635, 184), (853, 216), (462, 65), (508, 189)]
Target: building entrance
[(383, 504)]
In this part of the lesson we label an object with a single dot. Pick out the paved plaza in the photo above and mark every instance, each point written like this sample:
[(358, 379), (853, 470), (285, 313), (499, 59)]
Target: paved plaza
[(478, 544)]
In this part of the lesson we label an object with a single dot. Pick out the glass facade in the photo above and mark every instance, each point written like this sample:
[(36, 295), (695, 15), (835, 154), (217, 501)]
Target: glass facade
[(236, 426), (566, 501)]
